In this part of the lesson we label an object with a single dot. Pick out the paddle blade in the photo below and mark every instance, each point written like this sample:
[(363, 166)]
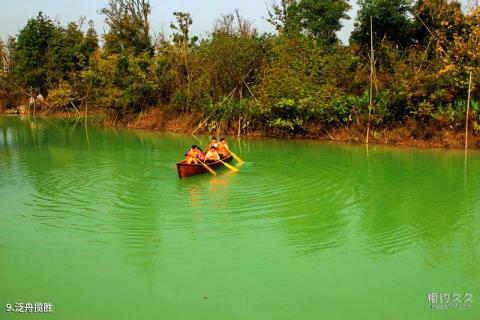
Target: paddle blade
[(230, 167), (237, 158)]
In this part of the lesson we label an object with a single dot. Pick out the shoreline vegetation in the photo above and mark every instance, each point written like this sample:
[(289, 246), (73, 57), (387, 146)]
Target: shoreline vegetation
[(401, 136), (409, 75)]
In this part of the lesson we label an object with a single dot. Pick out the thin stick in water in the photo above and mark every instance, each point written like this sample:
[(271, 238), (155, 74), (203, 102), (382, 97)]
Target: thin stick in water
[(468, 110)]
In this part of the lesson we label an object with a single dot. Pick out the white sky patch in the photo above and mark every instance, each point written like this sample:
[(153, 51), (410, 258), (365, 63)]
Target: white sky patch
[(15, 14)]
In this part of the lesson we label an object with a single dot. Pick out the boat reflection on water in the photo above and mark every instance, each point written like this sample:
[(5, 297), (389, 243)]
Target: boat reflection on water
[(206, 195), (218, 192)]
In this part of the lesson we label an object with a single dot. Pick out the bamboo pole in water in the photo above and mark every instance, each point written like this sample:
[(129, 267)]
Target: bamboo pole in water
[(468, 110), (239, 125), (86, 109), (371, 81)]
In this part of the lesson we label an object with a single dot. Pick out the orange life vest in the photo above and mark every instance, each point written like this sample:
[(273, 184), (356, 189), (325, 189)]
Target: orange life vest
[(192, 153), (222, 149)]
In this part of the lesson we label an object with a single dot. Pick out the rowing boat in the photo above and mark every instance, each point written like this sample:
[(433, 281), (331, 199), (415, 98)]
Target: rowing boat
[(185, 170)]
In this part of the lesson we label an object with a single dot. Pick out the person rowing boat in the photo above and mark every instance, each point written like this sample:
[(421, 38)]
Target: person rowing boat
[(223, 150), (186, 170), (193, 155), (196, 161), (212, 155), (213, 143)]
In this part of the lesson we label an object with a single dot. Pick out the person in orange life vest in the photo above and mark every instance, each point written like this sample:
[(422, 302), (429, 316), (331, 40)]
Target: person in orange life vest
[(212, 155), (214, 143), (193, 155), (223, 150)]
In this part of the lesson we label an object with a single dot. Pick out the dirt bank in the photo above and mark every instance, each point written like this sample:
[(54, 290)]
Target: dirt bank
[(406, 135)]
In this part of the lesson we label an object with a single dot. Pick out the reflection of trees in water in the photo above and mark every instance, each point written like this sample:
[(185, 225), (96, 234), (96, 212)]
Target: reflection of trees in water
[(385, 202), (323, 197), (4, 133), (15, 135), (5, 154), (100, 191), (416, 198), (317, 195), (416, 191)]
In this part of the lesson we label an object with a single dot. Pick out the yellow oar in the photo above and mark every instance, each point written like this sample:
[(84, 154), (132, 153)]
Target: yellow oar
[(240, 161), (229, 166), (207, 167)]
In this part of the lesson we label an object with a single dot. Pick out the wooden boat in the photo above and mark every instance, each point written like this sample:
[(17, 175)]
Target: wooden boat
[(185, 170)]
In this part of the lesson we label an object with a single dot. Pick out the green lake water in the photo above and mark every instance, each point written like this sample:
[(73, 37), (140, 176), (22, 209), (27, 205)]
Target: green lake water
[(96, 222)]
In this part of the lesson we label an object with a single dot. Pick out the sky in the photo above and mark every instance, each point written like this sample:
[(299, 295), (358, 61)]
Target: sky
[(15, 14)]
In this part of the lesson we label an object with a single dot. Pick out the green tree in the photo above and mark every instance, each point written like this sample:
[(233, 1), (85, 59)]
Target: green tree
[(129, 26), (3, 60), (183, 57), (89, 44), (429, 16), (321, 18), (233, 55), (181, 29), (121, 83), (283, 16), (64, 52), (458, 44), (3, 57), (390, 21), (44, 54), (31, 52), (11, 44)]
